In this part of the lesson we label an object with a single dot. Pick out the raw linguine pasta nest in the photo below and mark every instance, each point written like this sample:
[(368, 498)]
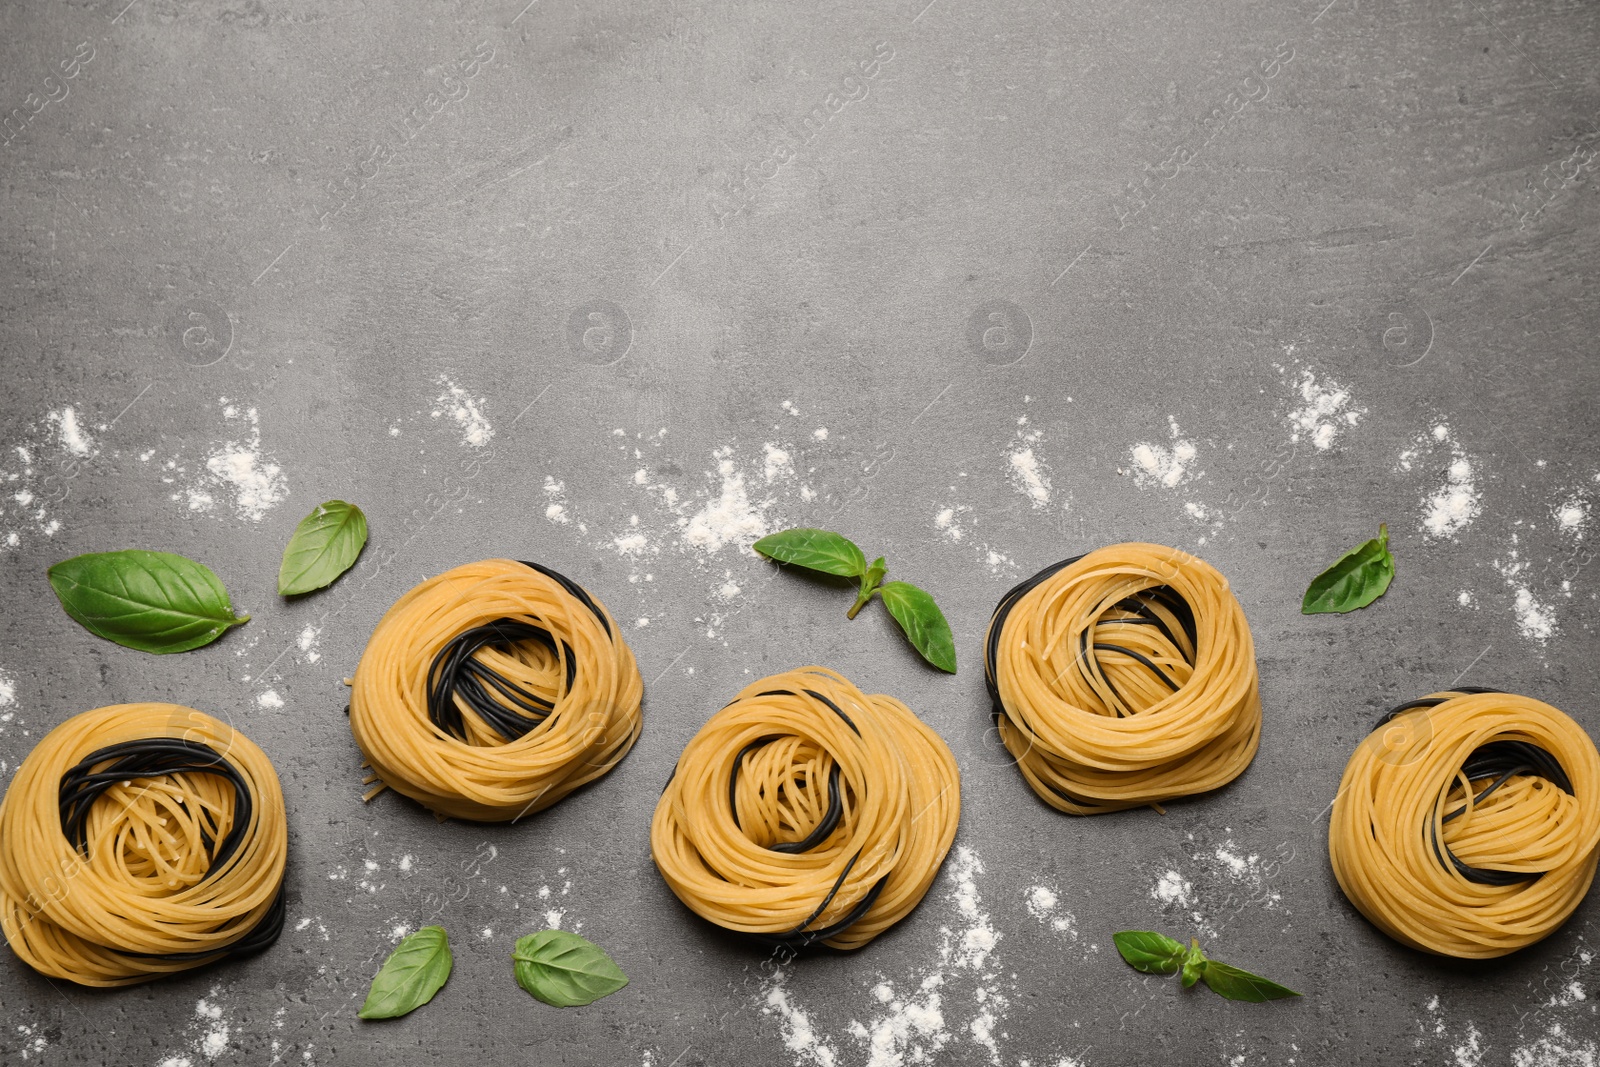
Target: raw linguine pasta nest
[(493, 690), (1124, 677), (807, 812), (1467, 823), (140, 840)]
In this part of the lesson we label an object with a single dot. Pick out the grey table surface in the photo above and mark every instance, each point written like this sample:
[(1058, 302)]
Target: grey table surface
[(586, 283)]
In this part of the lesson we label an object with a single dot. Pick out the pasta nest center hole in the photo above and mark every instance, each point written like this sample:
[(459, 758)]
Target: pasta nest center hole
[(788, 794)]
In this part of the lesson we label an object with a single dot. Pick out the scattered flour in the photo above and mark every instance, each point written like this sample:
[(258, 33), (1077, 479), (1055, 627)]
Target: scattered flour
[(236, 468), (1535, 620), (1572, 516), (922, 1019), (308, 644), (1044, 904), (1166, 466), (1466, 599), (8, 689), (1457, 501), (1557, 1048), (1027, 472), (69, 433), (778, 463), (269, 699), (1324, 409), (465, 412), (945, 521), (555, 493), (729, 517), (31, 1041), (1172, 888), (32, 470)]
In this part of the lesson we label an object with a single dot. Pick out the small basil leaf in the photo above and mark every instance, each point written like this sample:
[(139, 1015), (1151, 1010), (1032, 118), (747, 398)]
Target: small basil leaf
[(869, 585), (323, 546), (1194, 963), (151, 601), (412, 974), (1355, 580), (1150, 952), (565, 970), (817, 550), (922, 621), (1235, 984)]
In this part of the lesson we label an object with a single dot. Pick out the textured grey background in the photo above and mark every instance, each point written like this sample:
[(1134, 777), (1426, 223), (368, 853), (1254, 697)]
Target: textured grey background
[(1411, 206)]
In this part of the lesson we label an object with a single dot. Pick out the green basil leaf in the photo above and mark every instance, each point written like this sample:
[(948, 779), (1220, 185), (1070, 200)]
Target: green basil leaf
[(1150, 952), (565, 970), (1355, 580), (816, 550), (922, 621), (1235, 984), (1194, 963), (869, 585), (412, 974), (324, 546), (152, 601)]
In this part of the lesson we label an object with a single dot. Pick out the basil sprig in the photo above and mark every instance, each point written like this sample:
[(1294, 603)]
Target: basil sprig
[(413, 973), (151, 601), (1153, 953), (565, 970), (324, 546), (1355, 580), (914, 609)]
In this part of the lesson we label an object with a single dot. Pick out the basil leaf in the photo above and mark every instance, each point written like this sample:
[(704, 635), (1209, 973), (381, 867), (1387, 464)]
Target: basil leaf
[(565, 970), (869, 585), (923, 623), (1235, 984), (151, 601), (412, 974), (1355, 580), (1150, 952), (816, 550), (323, 546), (1194, 963)]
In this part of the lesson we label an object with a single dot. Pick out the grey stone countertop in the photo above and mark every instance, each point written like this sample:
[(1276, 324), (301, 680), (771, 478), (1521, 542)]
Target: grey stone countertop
[(983, 285)]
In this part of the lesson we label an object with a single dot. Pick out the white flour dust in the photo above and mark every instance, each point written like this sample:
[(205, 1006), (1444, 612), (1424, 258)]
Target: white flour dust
[(458, 405), (1323, 409), (236, 470), (208, 1035), (31, 1041), (1456, 500), (1044, 904), (34, 471), (1536, 620), (1165, 466), (953, 1010), (956, 521), (1028, 473), (1572, 516), (307, 643)]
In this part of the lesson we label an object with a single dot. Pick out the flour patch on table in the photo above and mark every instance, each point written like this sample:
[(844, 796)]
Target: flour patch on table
[(954, 1008), (1044, 904), (1165, 465), (209, 1034), (1455, 501), (34, 469), (31, 1041), (1025, 467), (238, 471), (1320, 409), (1536, 619), (960, 523), (465, 412)]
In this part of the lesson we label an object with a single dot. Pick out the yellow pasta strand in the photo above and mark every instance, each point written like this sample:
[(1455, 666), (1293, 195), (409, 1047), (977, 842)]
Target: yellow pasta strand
[(1418, 790), (807, 811), (493, 690), (1124, 677), (161, 872)]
